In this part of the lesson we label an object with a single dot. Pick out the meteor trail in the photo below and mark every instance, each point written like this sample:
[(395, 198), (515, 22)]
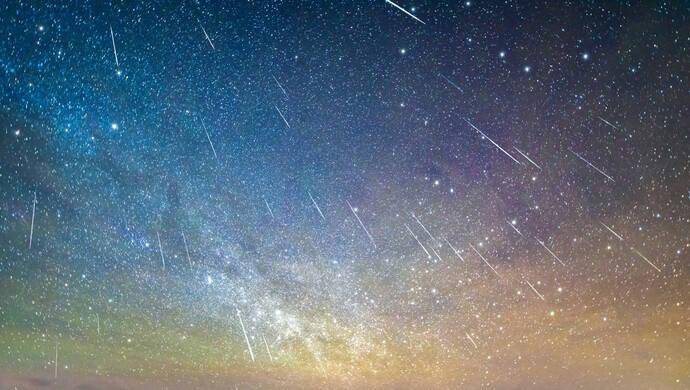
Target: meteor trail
[(316, 205), (267, 349), (160, 248), (361, 224), (471, 340), (280, 86), (206, 35), (282, 116), (56, 358), (535, 290), (608, 123), (527, 157), (486, 262), (454, 250), (208, 137), (417, 239), (645, 259), (112, 37), (33, 216), (405, 11), (186, 249), (612, 231), (451, 82), (552, 254), (423, 227), (514, 228), (436, 253), (592, 165), (244, 331), (269, 208), (492, 141)]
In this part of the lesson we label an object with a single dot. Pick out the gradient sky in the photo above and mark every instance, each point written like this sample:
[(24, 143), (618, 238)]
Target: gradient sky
[(344, 194)]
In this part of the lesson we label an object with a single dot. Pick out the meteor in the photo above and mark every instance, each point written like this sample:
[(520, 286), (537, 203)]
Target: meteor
[(471, 340), (405, 11), (535, 290), (485, 261), (527, 157), (33, 216), (282, 116), (592, 165), (492, 141), (160, 248), (208, 137), (645, 259), (361, 224), (454, 250), (244, 331), (549, 250), (608, 123), (269, 208), (417, 239), (112, 37), (316, 205), (280, 86), (612, 231), (451, 82), (206, 35), (186, 249)]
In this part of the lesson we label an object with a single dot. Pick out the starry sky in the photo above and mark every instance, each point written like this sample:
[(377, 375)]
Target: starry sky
[(368, 194)]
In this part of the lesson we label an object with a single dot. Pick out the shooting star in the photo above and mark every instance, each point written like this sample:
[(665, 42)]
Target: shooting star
[(405, 11), (251, 352), (451, 82), (471, 340), (535, 290), (208, 137), (436, 253), (417, 239), (454, 250), (512, 225), (485, 261), (645, 259), (280, 86), (316, 205), (492, 141), (282, 116), (186, 249), (611, 230), (592, 165), (424, 227), (33, 216), (112, 37), (267, 349), (160, 248), (269, 209), (527, 157), (56, 358), (608, 123), (551, 252), (206, 35), (98, 324), (361, 224)]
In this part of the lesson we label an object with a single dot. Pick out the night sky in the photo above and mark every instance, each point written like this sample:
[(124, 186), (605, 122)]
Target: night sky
[(207, 194)]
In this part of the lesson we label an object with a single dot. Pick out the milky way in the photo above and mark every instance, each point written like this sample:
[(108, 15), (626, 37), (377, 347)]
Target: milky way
[(204, 194)]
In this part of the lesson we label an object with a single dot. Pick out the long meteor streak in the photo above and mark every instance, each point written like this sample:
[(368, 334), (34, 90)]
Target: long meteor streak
[(485, 261), (592, 165), (405, 11), (246, 338), (362, 224), (492, 141)]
